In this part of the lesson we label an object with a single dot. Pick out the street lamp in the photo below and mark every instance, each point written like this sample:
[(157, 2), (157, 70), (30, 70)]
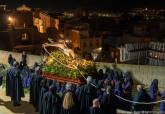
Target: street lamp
[(10, 19), (96, 52)]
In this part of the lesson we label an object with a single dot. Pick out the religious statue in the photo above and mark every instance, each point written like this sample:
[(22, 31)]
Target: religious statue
[(62, 46)]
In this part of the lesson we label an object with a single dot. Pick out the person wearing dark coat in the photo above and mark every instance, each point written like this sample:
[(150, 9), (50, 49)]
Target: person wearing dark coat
[(10, 60), (35, 65), (58, 86), (141, 96), (87, 94), (26, 76), (100, 75), (51, 101), (77, 93), (109, 102), (44, 89), (109, 74), (56, 102), (127, 93), (35, 88), (127, 88), (118, 88), (162, 104), (14, 87), (31, 99), (95, 109), (69, 88), (154, 89), (20, 66), (68, 104), (2, 67)]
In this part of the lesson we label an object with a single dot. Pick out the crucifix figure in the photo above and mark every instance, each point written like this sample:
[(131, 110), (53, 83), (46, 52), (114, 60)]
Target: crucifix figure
[(62, 46)]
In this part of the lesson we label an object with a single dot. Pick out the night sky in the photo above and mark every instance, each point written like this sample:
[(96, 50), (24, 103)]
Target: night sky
[(91, 4)]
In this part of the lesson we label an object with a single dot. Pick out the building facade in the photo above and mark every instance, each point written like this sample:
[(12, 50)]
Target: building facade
[(43, 21), (152, 53), (83, 41)]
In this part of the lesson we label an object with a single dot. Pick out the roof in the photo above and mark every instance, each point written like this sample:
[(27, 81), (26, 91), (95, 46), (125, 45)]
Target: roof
[(23, 8)]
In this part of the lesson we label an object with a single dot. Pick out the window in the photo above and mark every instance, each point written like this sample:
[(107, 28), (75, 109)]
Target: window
[(24, 37)]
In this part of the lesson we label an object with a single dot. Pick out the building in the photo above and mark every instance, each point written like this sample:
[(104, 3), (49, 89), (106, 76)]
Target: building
[(3, 7), (152, 53), (82, 40), (22, 17), (134, 52), (44, 20), (156, 53), (18, 33)]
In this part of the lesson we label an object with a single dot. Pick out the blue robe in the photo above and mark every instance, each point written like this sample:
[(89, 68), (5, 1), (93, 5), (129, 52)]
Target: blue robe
[(14, 87), (117, 75), (51, 103), (162, 104), (26, 76), (62, 89), (142, 96), (87, 94), (100, 75), (127, 94), (109, 74), (58, 87), (35, 89), (118, 88), (72, 110), (44, 89), (10, 61), (95, 110), (109, 103), (153, 92)]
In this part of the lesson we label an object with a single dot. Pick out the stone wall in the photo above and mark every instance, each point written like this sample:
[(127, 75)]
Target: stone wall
[(142, 73), (30, 58)]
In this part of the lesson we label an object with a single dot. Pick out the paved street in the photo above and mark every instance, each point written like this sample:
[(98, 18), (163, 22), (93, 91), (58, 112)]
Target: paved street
[(7, 108)]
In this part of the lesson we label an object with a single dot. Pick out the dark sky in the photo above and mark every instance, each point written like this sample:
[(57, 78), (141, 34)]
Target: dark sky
[(93, 4)]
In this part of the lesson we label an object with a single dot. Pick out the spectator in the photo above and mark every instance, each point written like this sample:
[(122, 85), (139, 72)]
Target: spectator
[(109, 101), (51, 102), (68, 104), (95, 109), (87, 94), (162, 105), (141, 96), (154, 89), (14, 87), (10, 60)]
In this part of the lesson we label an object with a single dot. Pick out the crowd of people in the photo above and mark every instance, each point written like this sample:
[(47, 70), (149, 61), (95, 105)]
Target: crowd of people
[(101, 94)]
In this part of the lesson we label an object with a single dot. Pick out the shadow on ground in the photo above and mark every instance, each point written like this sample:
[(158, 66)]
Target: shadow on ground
[(23, 109)]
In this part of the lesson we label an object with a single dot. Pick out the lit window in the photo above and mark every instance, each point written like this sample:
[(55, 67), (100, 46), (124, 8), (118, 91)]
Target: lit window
[(24, 36)]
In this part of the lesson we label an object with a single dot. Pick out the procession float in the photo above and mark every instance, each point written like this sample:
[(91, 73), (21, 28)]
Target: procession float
[(63, 65)]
